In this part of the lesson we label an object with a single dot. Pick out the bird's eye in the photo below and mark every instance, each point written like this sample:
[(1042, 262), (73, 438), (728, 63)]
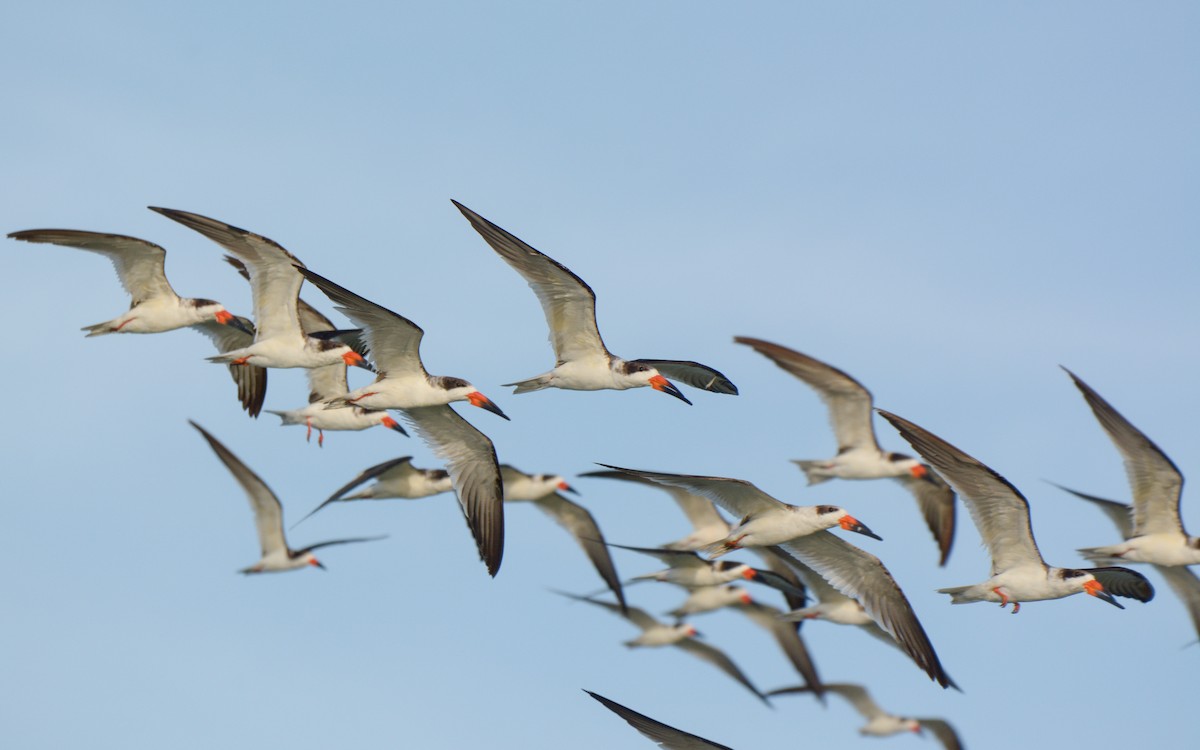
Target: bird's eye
[(824, 509), (1072, 573)]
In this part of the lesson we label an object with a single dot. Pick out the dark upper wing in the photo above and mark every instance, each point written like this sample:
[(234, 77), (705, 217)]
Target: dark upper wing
[(1123, 582), (471, 460), (787, 635), (666, 736), (139, 264), (577, 520), (860, 575), (719, 659), (694, 374), (251, 381), (935, 498)]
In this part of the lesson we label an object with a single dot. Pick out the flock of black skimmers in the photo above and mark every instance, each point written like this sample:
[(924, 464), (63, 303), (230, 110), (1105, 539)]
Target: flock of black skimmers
[(806, 557)]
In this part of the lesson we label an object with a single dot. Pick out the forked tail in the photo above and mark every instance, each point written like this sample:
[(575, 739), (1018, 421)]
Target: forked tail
[(533, 384)]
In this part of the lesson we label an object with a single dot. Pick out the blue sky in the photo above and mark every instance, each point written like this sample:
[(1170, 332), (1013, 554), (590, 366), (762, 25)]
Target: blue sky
[(945, 200)]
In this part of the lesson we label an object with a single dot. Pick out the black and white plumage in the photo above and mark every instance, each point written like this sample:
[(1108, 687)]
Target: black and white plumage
[(543, 491), (279, 338), (394, 478), (582, 361), (423, 400), (859, 455), (855, 572), (880, 723), (1156, 534), (1001, 513), (681, 635), (268, 517), (141, 266)]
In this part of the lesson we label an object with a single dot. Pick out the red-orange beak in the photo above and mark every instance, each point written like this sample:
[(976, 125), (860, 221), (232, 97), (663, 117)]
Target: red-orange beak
[(1096, 589), (567, 488), (316, 563), (850, 523), (750, 574), (392, 424), (745, 598), (354, 359), (483, 402), (224, 317), (920, 471), (659, 383)]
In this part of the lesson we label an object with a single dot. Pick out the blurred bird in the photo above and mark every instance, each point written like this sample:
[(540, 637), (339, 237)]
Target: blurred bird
[(582, 361), (1157, 534), (395, 478), (859, 455), (879, 722), (689, 570), (854, 572), (655, 633), (543, 491), (268, 518), (1001, 512)]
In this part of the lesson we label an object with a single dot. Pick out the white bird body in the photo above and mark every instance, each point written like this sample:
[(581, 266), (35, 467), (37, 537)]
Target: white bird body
[(661, 634), (842, 610), (1024, 583), (765, 521), (711, 598), (319, 416), (863, 462), (405, 482), (708, 526)]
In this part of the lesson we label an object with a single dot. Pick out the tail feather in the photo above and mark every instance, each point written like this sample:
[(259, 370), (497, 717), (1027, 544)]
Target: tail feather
[(98, 329), (532, 384), (808, 467), (1100, 555), (957, 594), (287, 416)]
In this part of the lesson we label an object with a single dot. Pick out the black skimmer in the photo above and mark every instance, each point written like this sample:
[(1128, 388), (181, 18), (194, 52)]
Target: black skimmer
[(423, 400), (1001, 513), (879, 722), (155, 306), (1157, 535), (859, 455), (854, 572), (582, 362), (543, 490), (394, 478), (279, 339), (681, 635), (268, 518)]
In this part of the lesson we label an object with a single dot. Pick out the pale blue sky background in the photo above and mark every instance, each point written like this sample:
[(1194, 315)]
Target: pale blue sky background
[(946, 200)]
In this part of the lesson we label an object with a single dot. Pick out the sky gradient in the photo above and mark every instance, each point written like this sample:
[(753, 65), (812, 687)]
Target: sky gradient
[(947, 201)]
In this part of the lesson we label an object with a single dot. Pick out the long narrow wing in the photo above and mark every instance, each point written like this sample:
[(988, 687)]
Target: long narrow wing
[(394, 340), (860, 575), (1156, 482), (273, 278), (787, 635), (666, 736), (471, 460), (268, 513), (848, 401), (139, 264), (737, 496), (700, 511), (251, 381), (694, 374), (936, 500), (568, 303), (721, 661), (579, 522), (998, 509), (943, 731)]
